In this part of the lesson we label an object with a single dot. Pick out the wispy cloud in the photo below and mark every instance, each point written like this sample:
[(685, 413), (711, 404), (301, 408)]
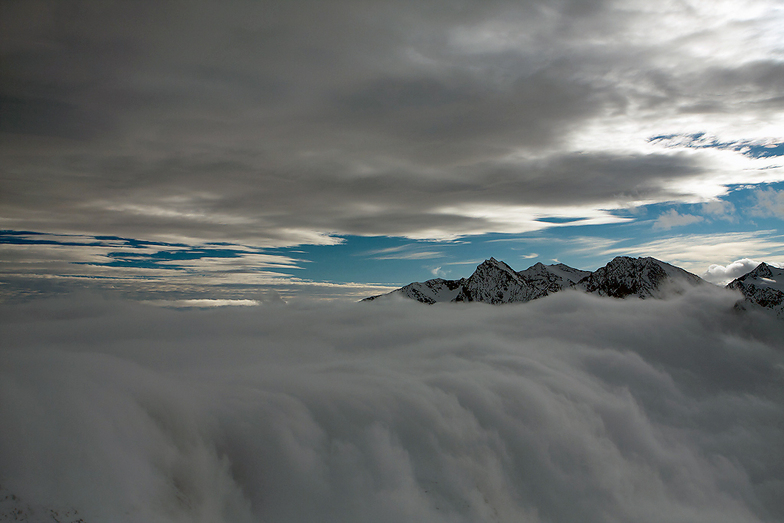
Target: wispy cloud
[(416, 255), (35, 263), (697, 252), (769, 202), (757, 148), (720, 209), (672, 218)]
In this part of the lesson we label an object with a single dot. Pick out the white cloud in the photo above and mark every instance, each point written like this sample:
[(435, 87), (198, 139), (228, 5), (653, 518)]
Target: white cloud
[(417, 255), (171, 273), (722, 275), (720, 209), (672, 218), (201, 303), (564, 409), (696, 252), (769, 202)]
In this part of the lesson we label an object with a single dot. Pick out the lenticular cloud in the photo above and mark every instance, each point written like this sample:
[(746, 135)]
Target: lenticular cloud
[(569, 408)]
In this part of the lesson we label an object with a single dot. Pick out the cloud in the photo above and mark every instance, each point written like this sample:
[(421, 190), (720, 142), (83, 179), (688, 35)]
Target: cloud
[(722, 275), (421, 255), (672, 218), (769, 202), (157, 122), (696, 252), (571, 407), (751, 148), (37, 264), (720, 209)]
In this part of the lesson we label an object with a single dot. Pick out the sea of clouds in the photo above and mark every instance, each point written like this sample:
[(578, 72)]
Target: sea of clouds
[(569, 408)]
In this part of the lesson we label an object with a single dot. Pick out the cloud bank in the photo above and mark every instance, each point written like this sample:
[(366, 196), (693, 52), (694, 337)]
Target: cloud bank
[(279, 124), (722, 275), (567, 408)]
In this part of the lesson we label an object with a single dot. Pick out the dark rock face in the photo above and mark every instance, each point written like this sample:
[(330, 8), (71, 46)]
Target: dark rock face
[(641, 277), (494, 282)]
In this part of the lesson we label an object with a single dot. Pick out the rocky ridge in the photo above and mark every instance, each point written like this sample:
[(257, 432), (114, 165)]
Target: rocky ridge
[(762, 287), (641, 277), (495, 282)]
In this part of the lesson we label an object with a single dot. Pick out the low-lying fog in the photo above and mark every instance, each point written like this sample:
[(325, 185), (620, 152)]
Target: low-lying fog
[(570, 408)]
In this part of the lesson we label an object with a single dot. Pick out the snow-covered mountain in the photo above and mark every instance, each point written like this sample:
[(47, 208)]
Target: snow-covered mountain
[(641, 277), (495, 282), (764, 287)]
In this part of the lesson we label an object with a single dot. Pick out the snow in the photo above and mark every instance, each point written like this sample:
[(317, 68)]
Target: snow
[(567, 273)]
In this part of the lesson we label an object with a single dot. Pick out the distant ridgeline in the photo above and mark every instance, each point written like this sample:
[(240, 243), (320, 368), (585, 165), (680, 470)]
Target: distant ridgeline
[(495, 282)]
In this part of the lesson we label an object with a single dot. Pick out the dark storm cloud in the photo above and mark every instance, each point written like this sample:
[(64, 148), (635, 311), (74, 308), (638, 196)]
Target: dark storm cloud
[(279, 122), (444, 121), (325, 195), (567, 408)]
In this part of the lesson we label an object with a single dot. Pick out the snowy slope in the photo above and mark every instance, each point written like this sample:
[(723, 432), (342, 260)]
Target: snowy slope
[(543, 280), (764, 287), (432, 291)]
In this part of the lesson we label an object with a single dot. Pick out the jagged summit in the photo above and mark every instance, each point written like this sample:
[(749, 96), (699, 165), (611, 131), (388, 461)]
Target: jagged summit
[(492, 262), (641, 277), (493, 282), (496, 282), (763, 287)]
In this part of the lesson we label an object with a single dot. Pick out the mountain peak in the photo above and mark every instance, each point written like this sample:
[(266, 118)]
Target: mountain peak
[(642, 277), (762, 270), (762, 286), (492, 262)]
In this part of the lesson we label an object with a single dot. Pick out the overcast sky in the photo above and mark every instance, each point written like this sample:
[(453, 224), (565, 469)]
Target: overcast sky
[(243, 149)]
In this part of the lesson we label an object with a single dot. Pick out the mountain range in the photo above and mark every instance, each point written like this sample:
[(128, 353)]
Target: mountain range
[(496, 282)]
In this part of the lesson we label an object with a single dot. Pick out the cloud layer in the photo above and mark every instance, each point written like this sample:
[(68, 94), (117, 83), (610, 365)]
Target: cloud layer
[(571, 407), (281, 123)]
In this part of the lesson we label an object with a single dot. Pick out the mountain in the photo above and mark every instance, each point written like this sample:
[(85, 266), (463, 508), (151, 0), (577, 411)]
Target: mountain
[(641, 277), (763, 287), (495, 282)]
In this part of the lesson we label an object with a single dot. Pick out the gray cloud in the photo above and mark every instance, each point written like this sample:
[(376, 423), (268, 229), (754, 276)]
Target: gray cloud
[(277, 122), (570, 407)]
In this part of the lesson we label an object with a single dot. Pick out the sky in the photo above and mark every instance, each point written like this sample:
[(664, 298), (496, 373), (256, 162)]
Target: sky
[(258, 151), (569, 408)]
